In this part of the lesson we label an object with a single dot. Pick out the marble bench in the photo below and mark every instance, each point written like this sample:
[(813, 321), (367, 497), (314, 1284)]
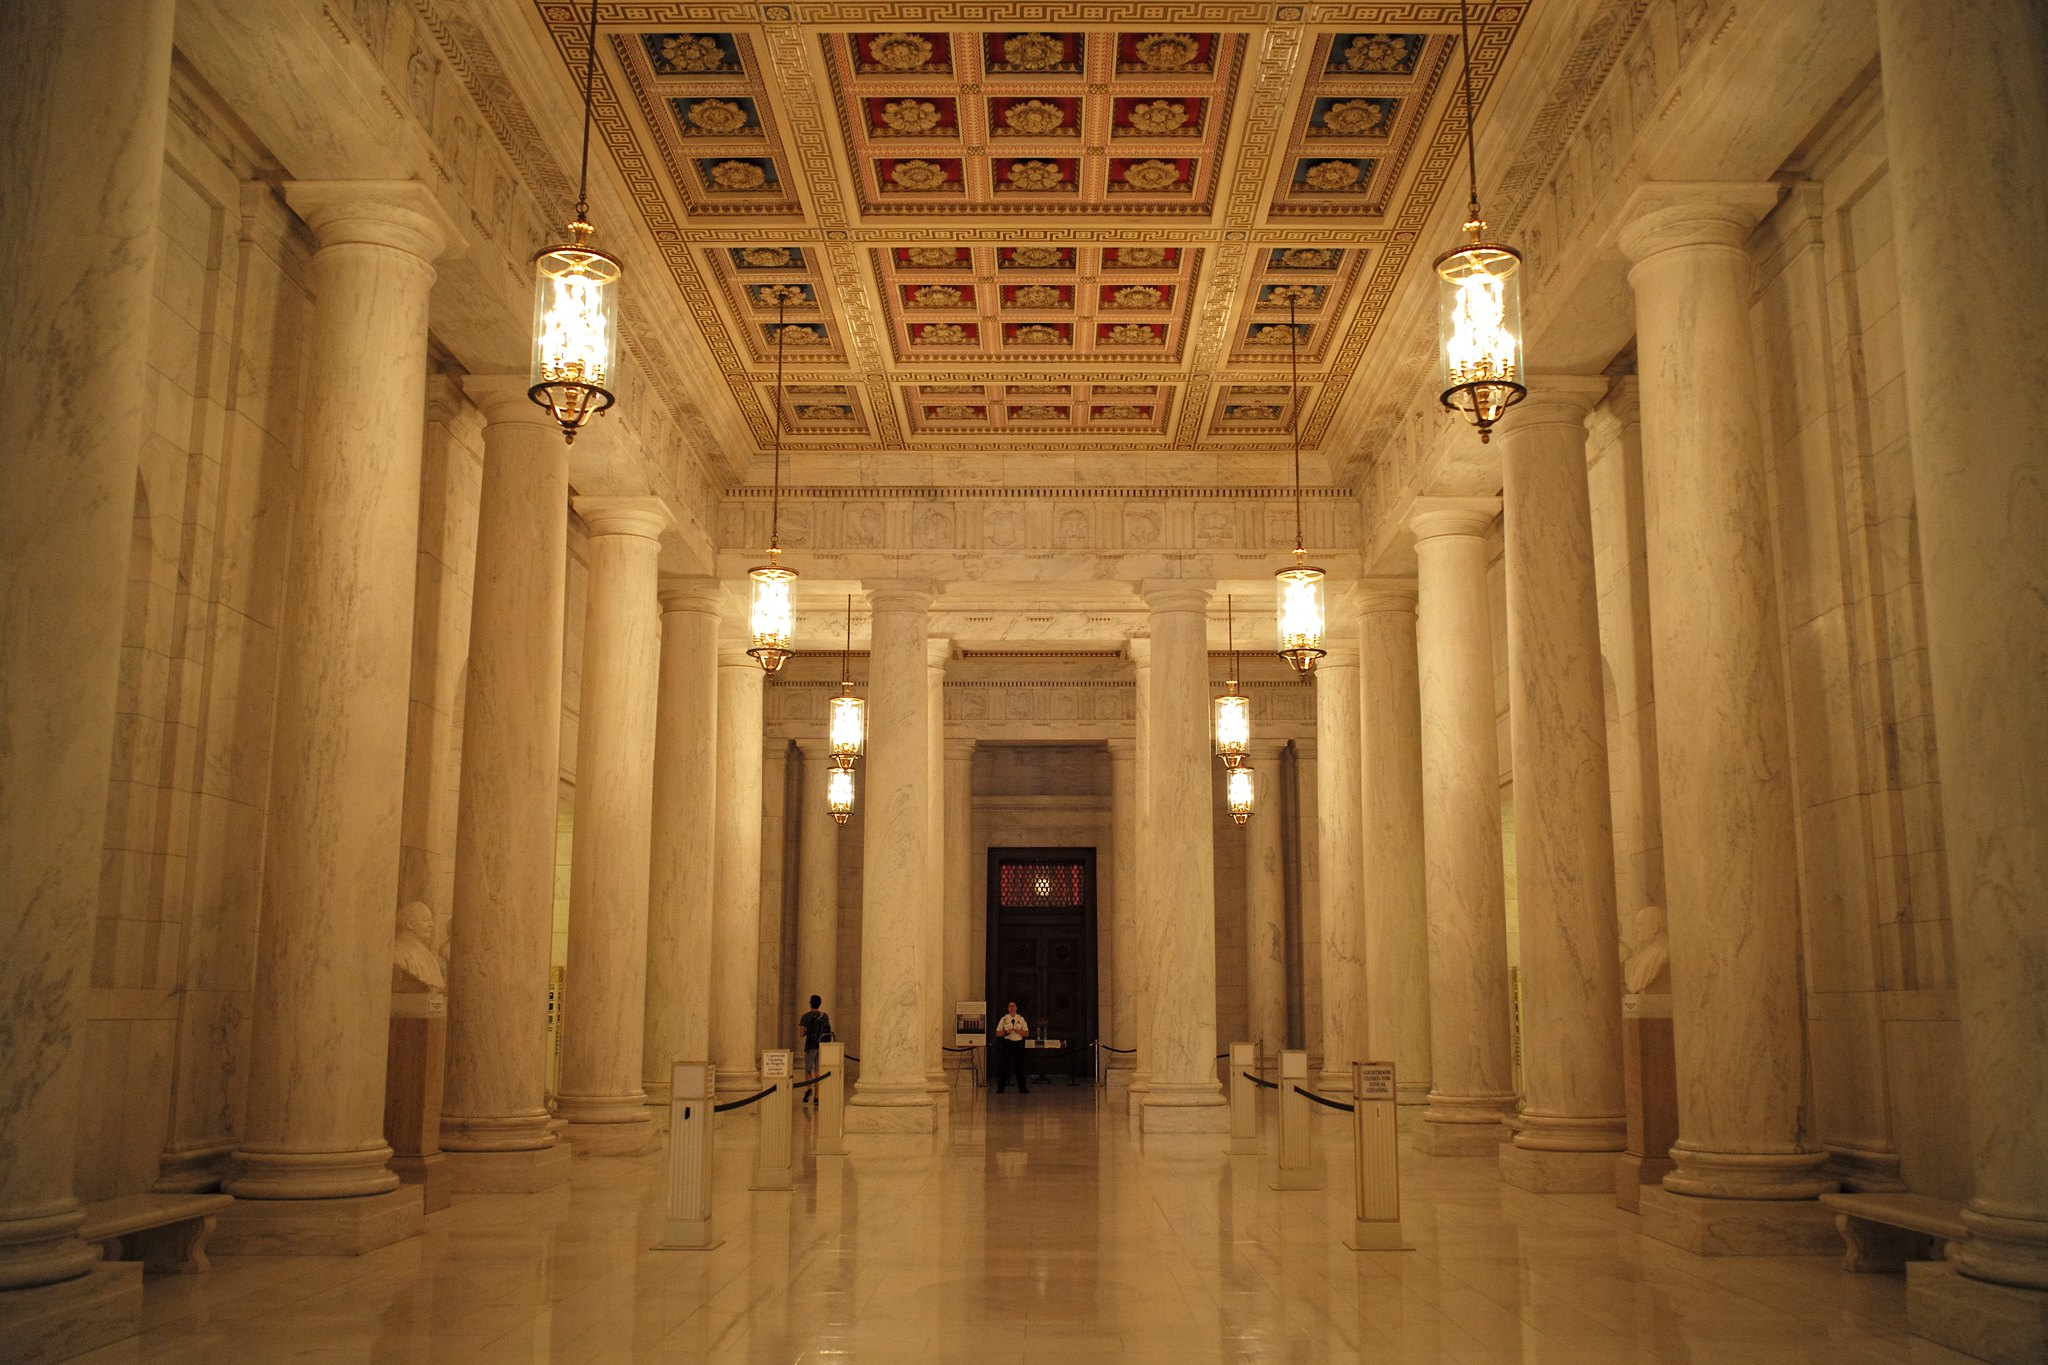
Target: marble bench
[(166, 1232), (1884, 1231)]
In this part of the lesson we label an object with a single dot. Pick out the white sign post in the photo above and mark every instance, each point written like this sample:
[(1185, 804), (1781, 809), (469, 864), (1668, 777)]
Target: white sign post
[(1244, 1100), (1377, 1225), (1297, 1169), (831, 1093), (689, 1159), (772, 1156)]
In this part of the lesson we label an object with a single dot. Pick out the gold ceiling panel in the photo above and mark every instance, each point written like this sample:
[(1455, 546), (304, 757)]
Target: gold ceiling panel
[(987, 236)]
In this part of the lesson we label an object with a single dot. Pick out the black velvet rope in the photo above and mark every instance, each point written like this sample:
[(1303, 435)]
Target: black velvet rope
[(1327, 1104), (851, 1058), (1222, 1056), (1107, 1048), (1263, 1085), (943, 1047), (741, 1104), (805, 1085)]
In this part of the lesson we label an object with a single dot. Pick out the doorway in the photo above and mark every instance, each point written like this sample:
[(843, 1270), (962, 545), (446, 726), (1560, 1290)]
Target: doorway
[(1041, 939)]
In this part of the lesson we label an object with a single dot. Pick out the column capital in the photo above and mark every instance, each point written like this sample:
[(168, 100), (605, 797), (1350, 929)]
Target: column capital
[(1340, 650), (814, 748), (894, 596), (1138, 649), (1661, 215), (959, 750), (1177, 594), (401, 214), (733, 654), (503, 400), (938, 651), (1430, 518), (1305, 750), (1555, 400), (1267, 751), (1122, 750), (445, 402), (606, 516), (705, 596), (1378, 595)]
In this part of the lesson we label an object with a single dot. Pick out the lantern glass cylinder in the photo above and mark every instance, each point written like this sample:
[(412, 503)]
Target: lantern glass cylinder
[(839, 791), (1238, 793), (773, 618), (1301, 615), (846, 729), (575, 330), (1479, 328), (1233, 728)]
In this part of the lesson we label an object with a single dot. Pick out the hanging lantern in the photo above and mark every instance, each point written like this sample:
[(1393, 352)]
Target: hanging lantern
[(1300, 585), (773, 618), (1479, 326), (846, 727), (1237, 793), (1233, 711), (576, 304), (839, 794)]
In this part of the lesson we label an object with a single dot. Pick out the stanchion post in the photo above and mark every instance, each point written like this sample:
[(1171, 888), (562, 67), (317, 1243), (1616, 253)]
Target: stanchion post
[(1376, 1150), (691, 1091), (1297, 1170), (771, 1155), (1244, 1100), (831, 1093)]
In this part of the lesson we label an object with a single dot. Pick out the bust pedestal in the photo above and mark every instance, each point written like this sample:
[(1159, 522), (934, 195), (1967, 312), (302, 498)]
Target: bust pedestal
[(414, 1067), (1649, 1078)]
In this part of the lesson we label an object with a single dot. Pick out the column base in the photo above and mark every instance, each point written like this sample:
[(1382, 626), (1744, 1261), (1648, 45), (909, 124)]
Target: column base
[(1545, 1172), (58, 1321), (1407, 1093), (430, 1173), (1197, 1110), (632, 1137), (1739, 1227), (199, 1171), (522, 1172), (912, 1113), (318, 1227), (1632, 1172), (1994, 1322), (1435, 1137)]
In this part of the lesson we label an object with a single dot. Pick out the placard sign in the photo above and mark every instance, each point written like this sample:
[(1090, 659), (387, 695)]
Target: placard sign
[(775, 1066), (970, 1023), (1376, 1080)]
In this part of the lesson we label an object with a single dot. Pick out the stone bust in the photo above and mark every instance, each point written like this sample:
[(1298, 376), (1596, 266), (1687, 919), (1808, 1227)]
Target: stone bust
[(414, 967)]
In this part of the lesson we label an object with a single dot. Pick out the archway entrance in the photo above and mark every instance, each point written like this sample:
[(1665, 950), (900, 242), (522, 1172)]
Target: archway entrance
[(1041, 943)]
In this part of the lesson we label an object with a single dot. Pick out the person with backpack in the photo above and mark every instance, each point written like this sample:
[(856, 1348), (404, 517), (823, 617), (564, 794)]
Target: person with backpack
[(817, 1030)]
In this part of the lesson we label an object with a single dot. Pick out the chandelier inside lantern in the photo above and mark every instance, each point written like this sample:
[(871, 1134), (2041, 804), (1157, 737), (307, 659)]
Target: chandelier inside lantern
[(1480, 327), (1301, 613), (1238, 794), (773, 618), (1233, 728), (845, 730), (839, 790)]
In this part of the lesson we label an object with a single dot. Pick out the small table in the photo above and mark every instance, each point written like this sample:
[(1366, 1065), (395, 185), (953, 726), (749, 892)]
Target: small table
[(1041, 1055)]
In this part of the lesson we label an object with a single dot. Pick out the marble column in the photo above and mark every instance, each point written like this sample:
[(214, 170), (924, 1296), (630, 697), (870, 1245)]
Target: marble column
[(1723, 752), (677, 1020), (1340, 855), (1183, 1095), (494, 1115), (817, 882), (736, 875), (1390, 769), (891, 1095), (1121, 1028), (1144, 904), (83, 101), (1308, 929), (1977, 402), (938, 1013), (1265, 900), (963, 978), (1471, 1069), (313, 1149), (604, 991), (1573, 1117)]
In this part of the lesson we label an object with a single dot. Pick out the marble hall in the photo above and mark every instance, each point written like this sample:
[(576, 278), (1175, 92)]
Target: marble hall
[(1180, 567)]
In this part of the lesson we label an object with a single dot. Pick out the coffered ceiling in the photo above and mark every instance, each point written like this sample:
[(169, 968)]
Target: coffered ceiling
[(977, 234)]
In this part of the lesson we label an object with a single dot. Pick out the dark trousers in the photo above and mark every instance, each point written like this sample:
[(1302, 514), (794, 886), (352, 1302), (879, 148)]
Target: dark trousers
[(1010, 1065)]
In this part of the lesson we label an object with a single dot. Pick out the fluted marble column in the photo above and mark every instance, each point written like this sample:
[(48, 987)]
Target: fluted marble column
[(1340, 855), (1977, 403), (1723, 752), (892, 1095), (1573, 1116), (604, 991), (817, 882), (1471, 1067), (963, 977), (314, 1124), (1121, 1028), (736, 877), (938, 1014), (677, 1020), (1183, 1095), (1390, 768), (494, 1115), (1145, 904), (1265, 900), (83, 101)]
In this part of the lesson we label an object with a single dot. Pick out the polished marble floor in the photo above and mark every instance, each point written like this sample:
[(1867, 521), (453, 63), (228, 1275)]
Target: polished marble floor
[(1038, 1229)]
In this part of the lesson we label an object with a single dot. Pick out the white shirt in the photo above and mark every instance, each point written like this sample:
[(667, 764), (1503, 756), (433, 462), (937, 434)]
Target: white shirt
[(1013, 1028)]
